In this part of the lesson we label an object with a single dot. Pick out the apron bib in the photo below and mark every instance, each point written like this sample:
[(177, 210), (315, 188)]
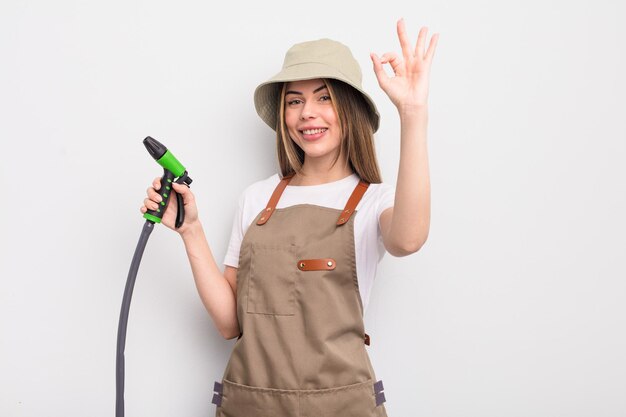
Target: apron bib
[(301, 351)]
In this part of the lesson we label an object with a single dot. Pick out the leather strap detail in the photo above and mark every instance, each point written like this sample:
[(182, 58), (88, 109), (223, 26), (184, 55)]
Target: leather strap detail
[(271, 205), (380, 398), (324, 264), (367, 339), (353, 201)]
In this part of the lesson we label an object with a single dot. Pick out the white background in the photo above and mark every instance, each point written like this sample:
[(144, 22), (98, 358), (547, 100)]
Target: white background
[(515, 305)]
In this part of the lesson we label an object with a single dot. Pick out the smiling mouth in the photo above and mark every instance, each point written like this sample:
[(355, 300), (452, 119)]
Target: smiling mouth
[(313, 131)]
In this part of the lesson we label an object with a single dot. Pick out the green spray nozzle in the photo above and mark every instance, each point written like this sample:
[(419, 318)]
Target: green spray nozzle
[(164, 157), (174, 171)]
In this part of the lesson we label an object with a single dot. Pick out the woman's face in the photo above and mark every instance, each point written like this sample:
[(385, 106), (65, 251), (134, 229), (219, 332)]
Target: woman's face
[(311, 119)]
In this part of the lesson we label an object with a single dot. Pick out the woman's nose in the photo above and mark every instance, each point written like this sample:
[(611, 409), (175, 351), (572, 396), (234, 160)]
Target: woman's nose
[(308, 111)]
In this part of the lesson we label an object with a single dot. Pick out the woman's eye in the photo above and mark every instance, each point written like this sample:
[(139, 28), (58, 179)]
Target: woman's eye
[(325, 98), (294, 102)]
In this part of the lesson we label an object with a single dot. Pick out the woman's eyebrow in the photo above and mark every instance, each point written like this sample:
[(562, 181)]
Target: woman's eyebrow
[(314, 91)]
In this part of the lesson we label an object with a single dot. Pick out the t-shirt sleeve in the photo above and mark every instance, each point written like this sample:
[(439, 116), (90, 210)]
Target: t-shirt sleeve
[(236, 235), (386, 198)]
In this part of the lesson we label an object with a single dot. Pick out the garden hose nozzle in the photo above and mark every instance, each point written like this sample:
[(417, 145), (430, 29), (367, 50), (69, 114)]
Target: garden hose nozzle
[(173, 171)]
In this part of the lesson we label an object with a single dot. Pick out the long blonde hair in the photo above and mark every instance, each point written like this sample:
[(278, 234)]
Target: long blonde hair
[(357, 134)]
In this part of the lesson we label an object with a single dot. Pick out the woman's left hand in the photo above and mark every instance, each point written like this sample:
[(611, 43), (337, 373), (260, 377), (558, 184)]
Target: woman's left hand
[(409, 86)]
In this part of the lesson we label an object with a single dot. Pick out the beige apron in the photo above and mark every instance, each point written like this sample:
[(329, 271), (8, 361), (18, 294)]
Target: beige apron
[(301, 351)]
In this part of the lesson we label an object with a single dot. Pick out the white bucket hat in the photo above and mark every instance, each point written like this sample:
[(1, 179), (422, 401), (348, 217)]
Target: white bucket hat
[(323, 58)]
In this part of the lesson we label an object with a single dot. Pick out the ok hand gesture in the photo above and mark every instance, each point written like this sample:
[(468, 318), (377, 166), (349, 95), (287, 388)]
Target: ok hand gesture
[(408, 87)]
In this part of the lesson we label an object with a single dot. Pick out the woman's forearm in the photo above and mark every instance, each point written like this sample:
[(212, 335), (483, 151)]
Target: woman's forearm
[(214, 290), (411, 214)]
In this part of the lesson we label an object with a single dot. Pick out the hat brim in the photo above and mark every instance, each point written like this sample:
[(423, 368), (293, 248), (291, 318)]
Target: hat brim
[(267, 94)]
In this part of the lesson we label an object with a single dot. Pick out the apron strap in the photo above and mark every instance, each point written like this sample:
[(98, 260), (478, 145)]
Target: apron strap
[(271, 205), (345, 215), (353, 201)]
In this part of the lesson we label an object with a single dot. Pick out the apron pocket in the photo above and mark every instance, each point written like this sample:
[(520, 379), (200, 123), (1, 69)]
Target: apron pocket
[(356, 400), (272, 283), (246, 401)]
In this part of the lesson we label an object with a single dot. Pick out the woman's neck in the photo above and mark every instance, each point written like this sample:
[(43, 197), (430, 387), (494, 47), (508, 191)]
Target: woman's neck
[(315, 174)]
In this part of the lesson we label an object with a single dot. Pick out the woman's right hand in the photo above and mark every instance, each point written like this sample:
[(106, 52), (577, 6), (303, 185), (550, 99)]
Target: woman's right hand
[(153, 201)]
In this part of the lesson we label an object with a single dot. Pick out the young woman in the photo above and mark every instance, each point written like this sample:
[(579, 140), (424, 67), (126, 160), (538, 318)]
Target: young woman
[(305, 244)]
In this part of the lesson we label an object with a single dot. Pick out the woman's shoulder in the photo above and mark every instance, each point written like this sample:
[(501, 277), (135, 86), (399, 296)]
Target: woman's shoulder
[(263, 184), (378, 190), (379, 196), (261, 189), (381, 187)]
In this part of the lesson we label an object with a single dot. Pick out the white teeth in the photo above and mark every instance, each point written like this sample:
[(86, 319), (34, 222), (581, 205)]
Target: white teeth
[(313, 131)]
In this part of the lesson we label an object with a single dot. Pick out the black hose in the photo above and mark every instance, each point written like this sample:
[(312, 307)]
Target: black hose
[(121, 329)]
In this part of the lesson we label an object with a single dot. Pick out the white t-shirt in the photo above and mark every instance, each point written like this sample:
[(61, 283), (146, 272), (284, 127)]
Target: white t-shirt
[(369, 247)]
